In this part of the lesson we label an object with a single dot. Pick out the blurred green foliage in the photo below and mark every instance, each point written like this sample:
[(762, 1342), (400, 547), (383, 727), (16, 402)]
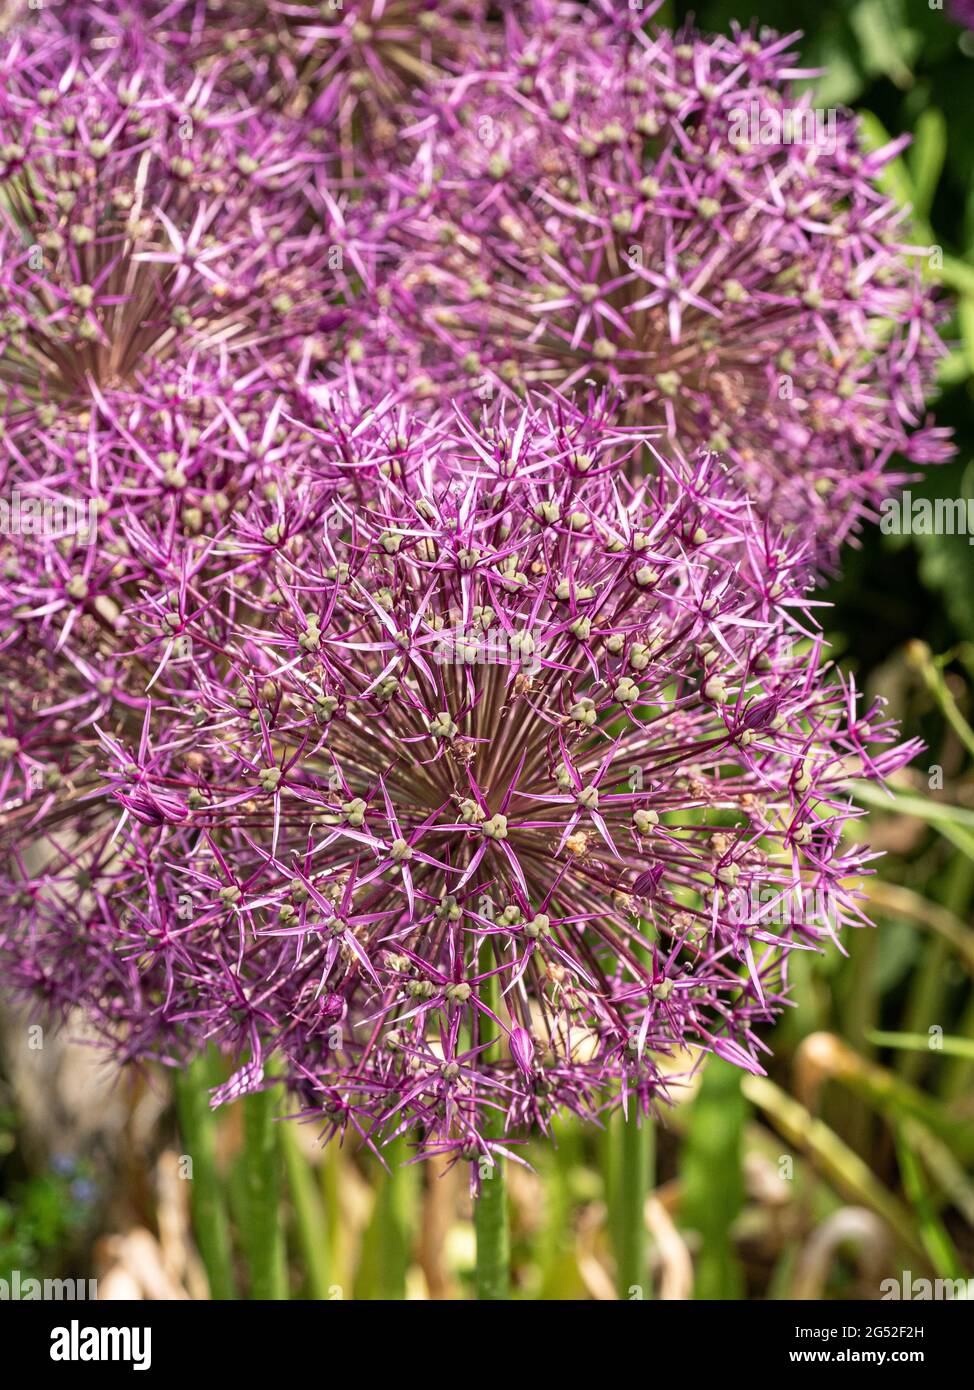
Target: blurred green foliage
[(44, 1214)]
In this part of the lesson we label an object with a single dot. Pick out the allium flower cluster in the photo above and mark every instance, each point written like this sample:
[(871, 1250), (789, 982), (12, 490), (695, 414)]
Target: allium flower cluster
[(350, 65), (665, 216), (473, 762), (143, 222), (447, 764), (119, 533)]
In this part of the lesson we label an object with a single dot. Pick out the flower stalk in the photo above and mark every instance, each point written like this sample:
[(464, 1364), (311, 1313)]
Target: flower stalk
[(490, 1207), (309, 1215), (197, 1123), (634, 1176), (264, 1234)]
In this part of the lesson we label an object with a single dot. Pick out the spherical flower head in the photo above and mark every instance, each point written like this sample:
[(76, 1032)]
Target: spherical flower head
[(670, 219), (121, 528), (350, 65), (129, 29), (463, 793), (185, 446), (108, 521), (141, 222)]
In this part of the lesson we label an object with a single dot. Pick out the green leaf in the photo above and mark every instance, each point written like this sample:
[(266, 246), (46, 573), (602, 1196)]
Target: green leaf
[(951, 821), (713, 1183), (920, 1042), (926, 159), (894, 178), (940, 1248), (887, 45)]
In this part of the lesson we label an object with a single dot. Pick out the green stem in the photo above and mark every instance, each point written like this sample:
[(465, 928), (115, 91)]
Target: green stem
[(331, 1186), (263, 1236), (712, 1180), (493, 1241), (490, 1209), (851, 1177), (386, 1251), (559, 1158), (211, 1227), (632, 1180), (309, 1215), (932, 670)]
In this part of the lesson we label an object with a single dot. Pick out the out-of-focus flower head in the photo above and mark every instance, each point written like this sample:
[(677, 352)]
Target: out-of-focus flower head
[(664, 215), (351, 64), (962, 12), (142, 222), (454, 768)]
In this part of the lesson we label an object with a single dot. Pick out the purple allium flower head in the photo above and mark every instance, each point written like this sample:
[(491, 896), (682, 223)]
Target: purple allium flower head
[(962, 12), (119, 523), (142, 221), (665, 216), (446, 727), (348, 64)]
